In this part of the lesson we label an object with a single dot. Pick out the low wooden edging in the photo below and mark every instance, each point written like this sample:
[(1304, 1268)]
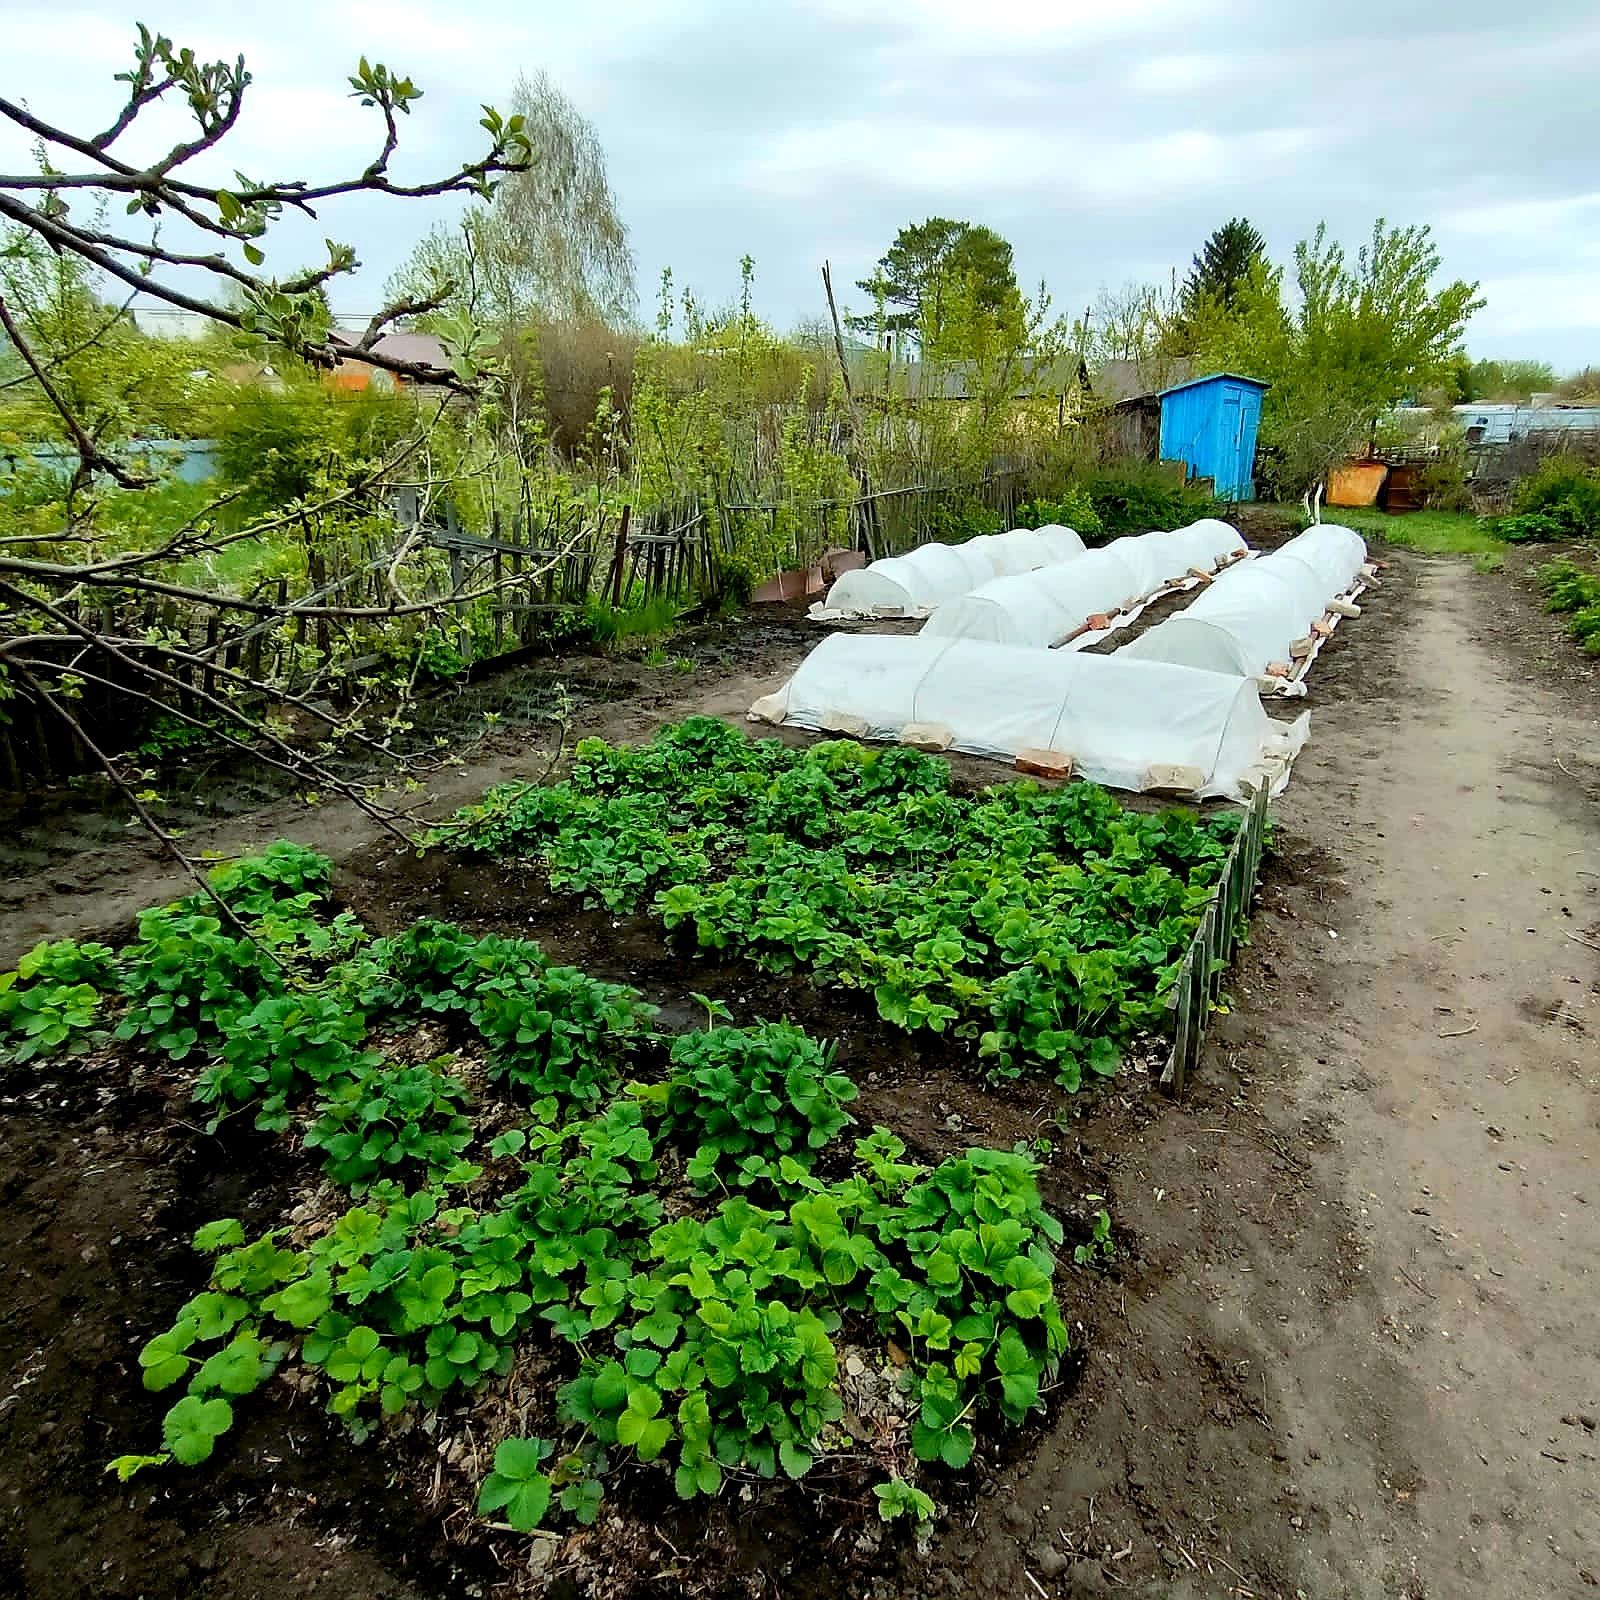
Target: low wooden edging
[(1199, 983)]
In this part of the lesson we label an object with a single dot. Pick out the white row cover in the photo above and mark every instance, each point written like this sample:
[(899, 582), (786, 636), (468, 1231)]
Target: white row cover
[(1128, 724), (1250, 615), (1042, 608), (914, 584)]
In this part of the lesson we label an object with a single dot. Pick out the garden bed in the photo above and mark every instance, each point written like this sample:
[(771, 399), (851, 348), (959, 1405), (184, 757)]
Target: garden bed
[(130, 1106)]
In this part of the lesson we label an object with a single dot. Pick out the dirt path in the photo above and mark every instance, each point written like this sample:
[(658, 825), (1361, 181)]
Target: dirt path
[(1356, 1354), (1458, 1065)]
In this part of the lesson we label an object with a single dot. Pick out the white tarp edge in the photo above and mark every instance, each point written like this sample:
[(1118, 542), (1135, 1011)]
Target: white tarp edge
[(1137, 725)]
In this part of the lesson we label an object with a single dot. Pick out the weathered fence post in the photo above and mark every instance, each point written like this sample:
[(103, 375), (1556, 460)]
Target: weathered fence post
[(616, 559)]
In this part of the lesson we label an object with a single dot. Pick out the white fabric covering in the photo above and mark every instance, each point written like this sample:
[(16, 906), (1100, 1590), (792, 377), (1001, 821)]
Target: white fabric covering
[(1039, 609), (1063, 543), (1203, 544), (1019, 550), (1117, 718), (1335, 553), (1042, 608), (1250, 615), (922, 579)]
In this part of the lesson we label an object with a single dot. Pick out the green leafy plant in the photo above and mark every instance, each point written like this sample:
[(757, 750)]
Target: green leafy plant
[(281, 1047), (51, 1004), (1559, 500), (1044, 925), (381, 1116), (897, 1498), (517, 1487), (745, 1094), (1072, 509), (1098, 1246), (1568, 588)]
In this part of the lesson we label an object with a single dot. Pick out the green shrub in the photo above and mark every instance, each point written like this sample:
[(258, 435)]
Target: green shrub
[(1138, 496), (283, 445), (1561, 500), (1533, 527), (954, 522), (1074, 509)]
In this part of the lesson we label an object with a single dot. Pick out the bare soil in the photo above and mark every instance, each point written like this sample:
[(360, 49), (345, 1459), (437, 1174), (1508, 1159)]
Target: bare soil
[(1347, 1348)]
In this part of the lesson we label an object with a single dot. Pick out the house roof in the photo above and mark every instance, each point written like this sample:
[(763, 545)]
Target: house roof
[(947, 380), (427, 349), (1116, 381), (1211, 377)]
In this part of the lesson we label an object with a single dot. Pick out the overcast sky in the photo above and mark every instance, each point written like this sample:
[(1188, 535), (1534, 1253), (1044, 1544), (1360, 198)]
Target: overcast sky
[(1104, 138)]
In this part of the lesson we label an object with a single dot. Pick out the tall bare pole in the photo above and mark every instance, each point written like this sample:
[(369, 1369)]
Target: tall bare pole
[(869, 521)]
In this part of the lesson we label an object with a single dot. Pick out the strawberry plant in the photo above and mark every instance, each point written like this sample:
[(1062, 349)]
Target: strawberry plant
[(279, 1048), (382, 1116), (1044, 926), (51, 1004), (679, 1244), (517, 1487), (186, 977), (743, 1091)]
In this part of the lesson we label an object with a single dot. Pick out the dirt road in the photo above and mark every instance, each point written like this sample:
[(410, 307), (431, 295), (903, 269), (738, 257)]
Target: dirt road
[(1452, 1048), (1358, 1354)]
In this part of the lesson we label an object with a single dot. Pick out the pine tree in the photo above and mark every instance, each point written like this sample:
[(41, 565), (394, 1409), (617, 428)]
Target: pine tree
[(930, 267), (1222, 265)]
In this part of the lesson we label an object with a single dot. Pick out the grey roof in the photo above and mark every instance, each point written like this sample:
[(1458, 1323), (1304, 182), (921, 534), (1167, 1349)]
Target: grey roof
[(925, 380), (1116, 381), (425, 348)]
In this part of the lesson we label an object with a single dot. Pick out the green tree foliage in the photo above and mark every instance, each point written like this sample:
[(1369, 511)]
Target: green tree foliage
[(1223, 264), (1498, 381), (732, 414), (120, 382), (550, 245), (1356, 338), (935, 277), (285, 443), (1377, 330)]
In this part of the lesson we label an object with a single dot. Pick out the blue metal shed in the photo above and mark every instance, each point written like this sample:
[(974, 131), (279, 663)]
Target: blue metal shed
[(1211, 424)]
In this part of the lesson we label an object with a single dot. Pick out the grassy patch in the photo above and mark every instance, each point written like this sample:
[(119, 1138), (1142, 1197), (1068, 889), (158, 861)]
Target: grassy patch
[(1434, 533)]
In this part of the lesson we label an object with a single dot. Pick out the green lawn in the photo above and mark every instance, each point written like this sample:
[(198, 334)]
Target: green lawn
[(1434, 533)]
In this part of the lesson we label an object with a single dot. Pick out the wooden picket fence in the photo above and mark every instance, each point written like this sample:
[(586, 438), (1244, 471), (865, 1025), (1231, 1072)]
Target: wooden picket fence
[(525, 567), (1215, 941)]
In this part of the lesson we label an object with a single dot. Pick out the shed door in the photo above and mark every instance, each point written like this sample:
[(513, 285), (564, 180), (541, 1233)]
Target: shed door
[(1232, 452)]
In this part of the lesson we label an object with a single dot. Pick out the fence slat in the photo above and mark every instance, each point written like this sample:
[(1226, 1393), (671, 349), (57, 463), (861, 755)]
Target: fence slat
[(1212, 947)]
